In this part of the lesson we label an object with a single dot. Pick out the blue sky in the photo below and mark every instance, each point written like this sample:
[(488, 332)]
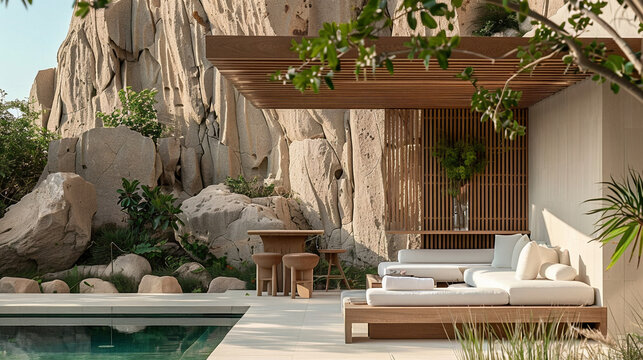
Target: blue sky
[(29, 41)]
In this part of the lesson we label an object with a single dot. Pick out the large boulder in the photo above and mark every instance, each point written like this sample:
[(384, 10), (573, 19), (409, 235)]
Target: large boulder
[(16, 285), (222, 284), (50, 227), (159, 285), (82, 271), (55, 287), (104, 156), (220, 220), (129, 265), (194, 271)]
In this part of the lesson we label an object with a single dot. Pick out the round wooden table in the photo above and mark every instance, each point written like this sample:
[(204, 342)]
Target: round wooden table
[(284, 242)]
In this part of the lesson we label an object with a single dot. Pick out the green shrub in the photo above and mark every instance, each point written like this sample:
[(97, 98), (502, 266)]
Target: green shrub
[(245, 272), (199, 251), (23, 150), (461, 160), (190, 285), (253, 188), (122, 283), (149, 209), (138, 113), (73, 280), (495, 19)]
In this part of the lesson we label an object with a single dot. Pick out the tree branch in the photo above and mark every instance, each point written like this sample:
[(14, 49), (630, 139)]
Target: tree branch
[(637, 7), (617, 38), (581, 60)]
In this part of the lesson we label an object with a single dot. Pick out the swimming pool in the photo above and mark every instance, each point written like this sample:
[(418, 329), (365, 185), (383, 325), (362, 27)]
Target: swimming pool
[(122, 337)]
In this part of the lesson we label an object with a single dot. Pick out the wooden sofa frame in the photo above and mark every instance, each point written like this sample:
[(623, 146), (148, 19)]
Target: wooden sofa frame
[(404, 322)]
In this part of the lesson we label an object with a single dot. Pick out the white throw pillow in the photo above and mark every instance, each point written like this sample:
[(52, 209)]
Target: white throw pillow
[(524, 240), (554, 271), (548, 254), (528, 262), (503, 250)]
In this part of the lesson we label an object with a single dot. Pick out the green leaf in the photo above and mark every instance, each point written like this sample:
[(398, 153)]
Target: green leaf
[(389, 66), (411, 20), (428, 21), (615, 88), (329, 82)]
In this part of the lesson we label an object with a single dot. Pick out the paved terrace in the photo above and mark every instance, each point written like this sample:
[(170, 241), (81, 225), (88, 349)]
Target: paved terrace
[(272, 327)]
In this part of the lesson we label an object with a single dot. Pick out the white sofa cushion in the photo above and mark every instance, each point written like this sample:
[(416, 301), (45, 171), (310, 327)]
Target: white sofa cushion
[(563, 257), (398, 283), (553, 271), (524, 240), (445, 256), (439, 272), (548, 254), (503, 249), (451, 296), (531, 292), (528, 262), (381, 267)]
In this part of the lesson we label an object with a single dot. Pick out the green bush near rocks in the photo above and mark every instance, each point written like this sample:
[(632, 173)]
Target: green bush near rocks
[(252, 189)]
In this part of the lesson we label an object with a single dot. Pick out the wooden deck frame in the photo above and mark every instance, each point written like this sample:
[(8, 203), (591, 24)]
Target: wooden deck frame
[(397, 318)]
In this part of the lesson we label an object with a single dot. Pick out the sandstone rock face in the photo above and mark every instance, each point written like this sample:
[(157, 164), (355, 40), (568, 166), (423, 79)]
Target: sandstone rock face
[(97, 286), (222, 284), (151, 284), (130, 265), (196, 271), (55, 287), (42, 94), (16, 285), (106, 155), (322, 158), (50, 227), (220, 220)]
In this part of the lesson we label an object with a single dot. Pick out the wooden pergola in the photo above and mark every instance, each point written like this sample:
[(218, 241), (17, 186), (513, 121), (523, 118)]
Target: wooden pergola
[(247, 61)]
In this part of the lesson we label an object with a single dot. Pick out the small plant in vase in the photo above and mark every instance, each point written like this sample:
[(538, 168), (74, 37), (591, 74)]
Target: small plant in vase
[(461, 160)]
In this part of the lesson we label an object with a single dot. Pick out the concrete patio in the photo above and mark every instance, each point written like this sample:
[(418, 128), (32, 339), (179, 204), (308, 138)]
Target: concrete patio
[(272, 327)]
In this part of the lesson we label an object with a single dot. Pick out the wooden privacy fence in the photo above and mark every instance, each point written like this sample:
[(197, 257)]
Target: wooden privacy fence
[(416, 198)]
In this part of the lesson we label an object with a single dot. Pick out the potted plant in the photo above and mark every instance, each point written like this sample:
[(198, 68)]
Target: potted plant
[(461, 160)]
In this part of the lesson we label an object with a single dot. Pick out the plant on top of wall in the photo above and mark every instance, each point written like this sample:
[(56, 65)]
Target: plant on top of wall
[(138, 113), (253, 188), (621, 216), (461, 160), (495, 19)]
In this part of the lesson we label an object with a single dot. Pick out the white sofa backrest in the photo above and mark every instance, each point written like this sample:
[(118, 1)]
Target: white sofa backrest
[(446, 256)]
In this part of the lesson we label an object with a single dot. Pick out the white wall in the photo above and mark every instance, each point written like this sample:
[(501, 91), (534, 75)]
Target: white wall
[(564, 168), (577, 138)]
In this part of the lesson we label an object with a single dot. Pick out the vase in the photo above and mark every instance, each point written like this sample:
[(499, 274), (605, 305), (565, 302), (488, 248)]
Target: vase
[(461, 211)]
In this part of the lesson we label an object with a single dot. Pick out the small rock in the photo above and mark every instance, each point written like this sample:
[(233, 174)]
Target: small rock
[(130, 265), (13, 285), (97, 286), (196, 271), (223, 283), (55, 287), (151, 284)]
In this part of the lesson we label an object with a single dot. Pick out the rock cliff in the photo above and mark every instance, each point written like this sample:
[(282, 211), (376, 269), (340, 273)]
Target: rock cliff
[(330, 160)]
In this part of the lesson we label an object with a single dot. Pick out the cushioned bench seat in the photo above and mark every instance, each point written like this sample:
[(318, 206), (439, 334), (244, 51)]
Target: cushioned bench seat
[(530, 292), (451, 296), (439, 272)]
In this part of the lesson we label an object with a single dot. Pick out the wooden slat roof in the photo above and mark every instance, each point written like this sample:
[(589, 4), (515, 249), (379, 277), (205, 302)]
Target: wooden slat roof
[(247, 60)]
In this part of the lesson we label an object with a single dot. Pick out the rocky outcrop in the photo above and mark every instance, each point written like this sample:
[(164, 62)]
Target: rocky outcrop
[(222, 284), (42, 94), (131, 266), (55, 287), (194, 271), (104, 156), (96, 286), (151, 284), (16, 285), (220, 220), (50, 227)]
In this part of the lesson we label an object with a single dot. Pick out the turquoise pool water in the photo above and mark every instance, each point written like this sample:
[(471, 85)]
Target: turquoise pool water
[(119, 338)]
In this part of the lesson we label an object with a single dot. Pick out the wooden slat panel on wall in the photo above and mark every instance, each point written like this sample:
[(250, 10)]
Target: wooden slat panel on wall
[(416, 185)]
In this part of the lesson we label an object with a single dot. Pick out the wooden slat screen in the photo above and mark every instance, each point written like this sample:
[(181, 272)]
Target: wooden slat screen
[(417, 202)]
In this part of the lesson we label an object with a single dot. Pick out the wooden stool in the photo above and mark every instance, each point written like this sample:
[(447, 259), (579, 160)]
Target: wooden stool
[(332, 256), (300, 277), (267, 271)]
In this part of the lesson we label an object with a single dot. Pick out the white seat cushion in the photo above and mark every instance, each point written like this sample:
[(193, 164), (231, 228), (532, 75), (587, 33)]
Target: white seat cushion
[(531, 292), (503, 249), (439, 272), (399, 283), (446, 256), (381, 267), (451, 296), (352, 294)]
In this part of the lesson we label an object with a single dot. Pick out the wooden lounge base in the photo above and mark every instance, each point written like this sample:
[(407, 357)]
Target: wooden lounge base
[(436, 322)]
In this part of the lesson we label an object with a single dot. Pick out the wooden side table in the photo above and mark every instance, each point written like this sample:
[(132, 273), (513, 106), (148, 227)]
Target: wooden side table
[(373, 281), (332, 256)]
